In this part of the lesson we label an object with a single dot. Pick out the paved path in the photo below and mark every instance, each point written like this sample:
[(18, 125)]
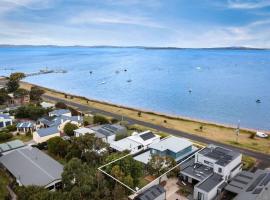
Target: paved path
[(264, 158)]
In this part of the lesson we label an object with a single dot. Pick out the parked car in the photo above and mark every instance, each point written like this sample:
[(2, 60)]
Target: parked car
[(261, 134)]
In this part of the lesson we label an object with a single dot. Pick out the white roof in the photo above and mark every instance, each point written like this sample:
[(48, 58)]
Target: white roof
[(84, 130), (145, 138), (172, 143), (124, 144), (46, 104)]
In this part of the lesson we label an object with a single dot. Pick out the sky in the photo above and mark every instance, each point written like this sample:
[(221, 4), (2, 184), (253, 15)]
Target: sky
[(153, 23)]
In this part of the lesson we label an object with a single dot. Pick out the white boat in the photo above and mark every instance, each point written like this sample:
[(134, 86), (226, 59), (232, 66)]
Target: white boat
[(261, 134)]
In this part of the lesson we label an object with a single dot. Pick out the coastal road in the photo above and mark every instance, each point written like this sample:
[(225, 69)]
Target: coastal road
[(263, 158)]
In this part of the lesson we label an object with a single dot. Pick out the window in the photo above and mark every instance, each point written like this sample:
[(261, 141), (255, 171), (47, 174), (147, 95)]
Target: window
[(219, 170), (200, 196), (1, 124)]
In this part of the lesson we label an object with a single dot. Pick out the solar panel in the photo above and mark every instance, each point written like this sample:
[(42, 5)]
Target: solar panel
[(256, 182), (147, 136), (245, 176), (266, 180), (110, 128)]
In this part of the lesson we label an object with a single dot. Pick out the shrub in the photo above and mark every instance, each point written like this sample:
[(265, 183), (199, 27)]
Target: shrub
[(86, 123), (30, 111), (5, 136), (139, 114), (57, 146), (61, 105), (114, 120), (98, 119), (69, 129), (252, 135), (11, 127)]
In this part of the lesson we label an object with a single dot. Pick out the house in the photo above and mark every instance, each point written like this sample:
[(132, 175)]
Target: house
[(18, 100), (60, 112), (8, 146), (30, 166), (156, 192), (5, 120), (44, 134), (108, 132), (47, 105), (26, 127), (175, 147), (136, 142), (209, 171), (250, 185), (83, 131), (48, 121)]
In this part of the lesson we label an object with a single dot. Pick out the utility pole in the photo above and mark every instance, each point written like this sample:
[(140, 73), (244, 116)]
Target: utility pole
[(237, 131)]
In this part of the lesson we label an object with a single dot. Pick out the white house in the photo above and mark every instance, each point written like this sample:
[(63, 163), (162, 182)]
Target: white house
[(210, 169), (5, 120), (83, 131), (44, 134), (47, 105), (135, 143), (60, 112)]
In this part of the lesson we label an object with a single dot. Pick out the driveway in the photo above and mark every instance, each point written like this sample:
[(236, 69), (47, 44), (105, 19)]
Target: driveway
[(171, 188)]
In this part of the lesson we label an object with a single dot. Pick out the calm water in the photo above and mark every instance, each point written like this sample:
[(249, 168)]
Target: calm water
[(225, 83)]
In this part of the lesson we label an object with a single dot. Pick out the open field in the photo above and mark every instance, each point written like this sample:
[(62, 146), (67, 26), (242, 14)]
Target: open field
[(216, 132)]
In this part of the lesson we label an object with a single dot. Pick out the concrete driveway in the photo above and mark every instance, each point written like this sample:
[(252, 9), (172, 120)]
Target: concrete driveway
[(171, 188)]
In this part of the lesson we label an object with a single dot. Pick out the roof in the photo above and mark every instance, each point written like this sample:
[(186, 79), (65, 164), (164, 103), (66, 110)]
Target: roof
[(145, 138), (59, 112), (108, 129), (5, 116), (25, 125), (172, 143), (46, 104), (31, 166), (210, 183), (124, 144), (47, 131), (4, 147), (221, 155), (57, 120), (248, 185), (84, 130), (151, 193)]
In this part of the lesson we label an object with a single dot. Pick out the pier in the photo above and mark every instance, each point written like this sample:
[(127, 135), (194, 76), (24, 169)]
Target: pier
[(46, 71)]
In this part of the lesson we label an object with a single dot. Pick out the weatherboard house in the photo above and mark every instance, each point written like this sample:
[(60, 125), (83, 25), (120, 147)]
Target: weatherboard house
[(210, 171), (30, 166)]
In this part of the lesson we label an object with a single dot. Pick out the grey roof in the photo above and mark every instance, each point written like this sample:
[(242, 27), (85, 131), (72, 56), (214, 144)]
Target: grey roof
[(107, 130), (148, 135), (47, 131), (210, 183), (172, 143), (57, 120), (31, 166), (248, 185), (59, 112), (221, 155), (197, 171), (5, 116), (4, 147), (25, 125), (152, 193)]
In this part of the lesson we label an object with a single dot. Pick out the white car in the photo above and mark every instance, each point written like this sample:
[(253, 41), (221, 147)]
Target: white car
[(261, 134)]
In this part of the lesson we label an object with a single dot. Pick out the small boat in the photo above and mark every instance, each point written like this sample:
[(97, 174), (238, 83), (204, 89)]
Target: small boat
[(90, 72), (125, 70), (103, 82), (189, 90), (129, 80), (258, 101), (198, 68)]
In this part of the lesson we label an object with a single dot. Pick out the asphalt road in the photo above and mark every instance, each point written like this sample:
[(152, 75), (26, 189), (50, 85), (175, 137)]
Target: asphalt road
[(264, 159)]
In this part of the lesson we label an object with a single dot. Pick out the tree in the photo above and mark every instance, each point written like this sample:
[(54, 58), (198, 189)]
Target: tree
[(58, 146), (20, 92), (4, 97), (36, 93), (69, 129), (61, 105), (30, 111), (13, 82), (99, 119), (160, 164)]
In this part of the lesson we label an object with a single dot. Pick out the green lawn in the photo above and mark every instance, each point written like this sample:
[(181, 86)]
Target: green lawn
[(23, 138), (3, 183), (248, 162)]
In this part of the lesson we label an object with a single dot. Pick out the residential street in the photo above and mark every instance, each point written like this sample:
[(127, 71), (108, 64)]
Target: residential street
[(263, 158)]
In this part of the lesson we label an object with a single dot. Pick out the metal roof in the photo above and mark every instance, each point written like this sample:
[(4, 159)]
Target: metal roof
[(47, 131), (211, 182), (11, 145), (5, 116), (59, 112), (31, 166), (25, 125), (172, 143)]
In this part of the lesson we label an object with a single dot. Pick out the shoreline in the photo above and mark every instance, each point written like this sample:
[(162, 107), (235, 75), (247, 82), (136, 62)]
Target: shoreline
[(145, 111), (212, 131)]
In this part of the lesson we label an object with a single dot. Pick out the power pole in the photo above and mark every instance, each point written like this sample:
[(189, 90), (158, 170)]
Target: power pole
[(237, 131)]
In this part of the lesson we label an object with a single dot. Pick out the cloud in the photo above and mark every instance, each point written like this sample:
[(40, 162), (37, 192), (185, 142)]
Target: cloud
[(110, 17), (248, 4)]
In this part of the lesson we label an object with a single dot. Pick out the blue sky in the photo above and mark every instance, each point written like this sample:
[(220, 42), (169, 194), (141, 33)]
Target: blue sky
[(174, 23)]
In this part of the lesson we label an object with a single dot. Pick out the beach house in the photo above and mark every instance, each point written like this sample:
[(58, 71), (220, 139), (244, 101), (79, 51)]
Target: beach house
[(44, 134), (209, 171), (5, 120), (175, 147), (136, 142), (30, 166)]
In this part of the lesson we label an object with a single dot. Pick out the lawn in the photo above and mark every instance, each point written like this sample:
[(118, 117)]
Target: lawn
[(24, 138), (3, 183)]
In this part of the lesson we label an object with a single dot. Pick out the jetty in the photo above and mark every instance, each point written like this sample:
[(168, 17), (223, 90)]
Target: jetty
[(46, 71)]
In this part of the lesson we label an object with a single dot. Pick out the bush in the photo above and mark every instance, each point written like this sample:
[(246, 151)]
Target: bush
[(41, 146), (57, 146), (252, 135), (5, 136), (69, 129), (98, 119), (11, 128), (114, 120), (61, 105), (86, 123), (30, 111), (120, 136)]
